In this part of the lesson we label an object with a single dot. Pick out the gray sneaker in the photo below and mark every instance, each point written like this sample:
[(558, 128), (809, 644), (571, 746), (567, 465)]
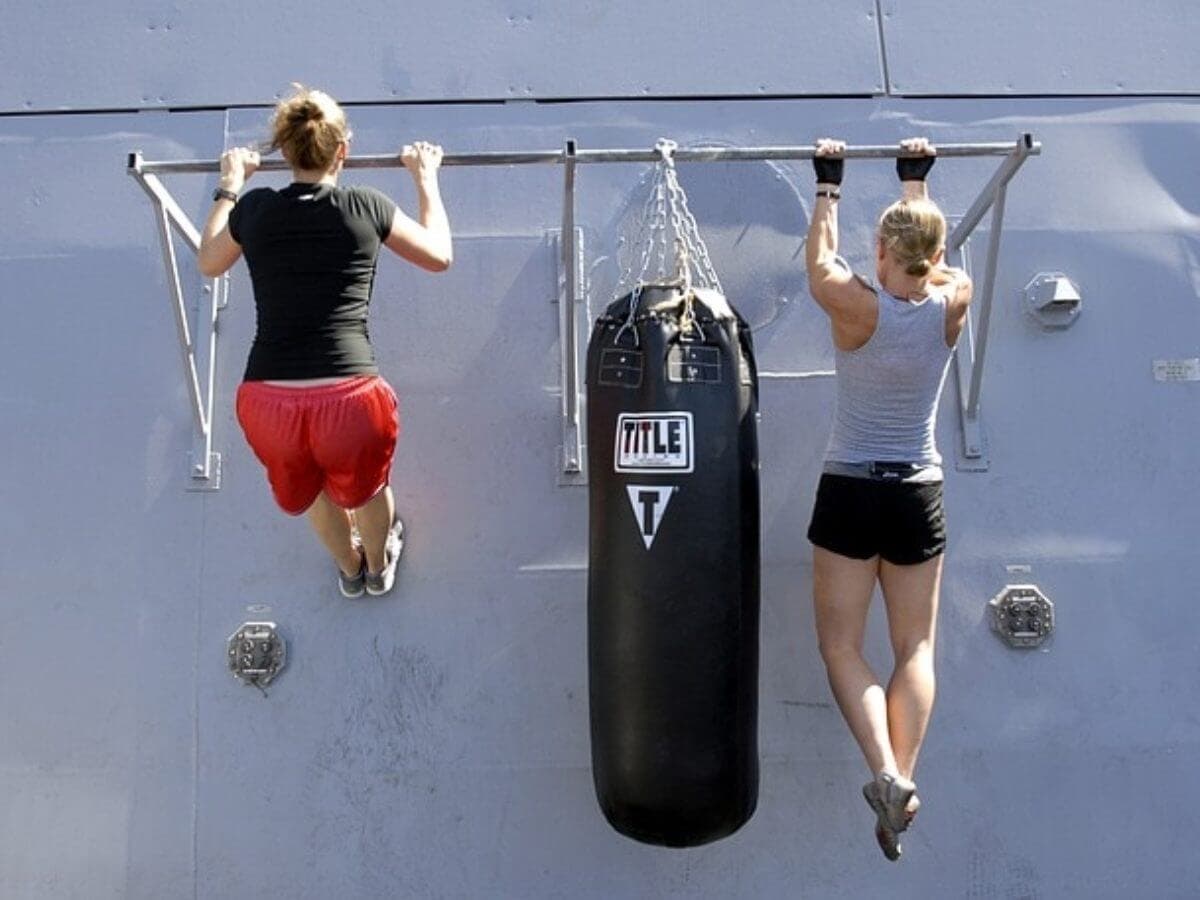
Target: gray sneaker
[(393, 546), (894, 800), (352, 586)]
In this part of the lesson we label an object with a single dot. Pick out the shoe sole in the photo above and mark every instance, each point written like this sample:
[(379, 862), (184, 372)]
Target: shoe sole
[(887, 837)]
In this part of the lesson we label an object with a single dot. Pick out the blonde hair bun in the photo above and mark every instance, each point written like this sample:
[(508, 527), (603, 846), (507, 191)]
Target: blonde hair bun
[(307, 128)]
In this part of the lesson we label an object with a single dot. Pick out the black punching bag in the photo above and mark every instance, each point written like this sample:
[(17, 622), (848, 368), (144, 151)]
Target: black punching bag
[(673, 575)]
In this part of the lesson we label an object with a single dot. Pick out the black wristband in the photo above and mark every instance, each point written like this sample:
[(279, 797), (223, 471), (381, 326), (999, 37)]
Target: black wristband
[(224, 194), (832, 195), (828, 169), (914, 168)]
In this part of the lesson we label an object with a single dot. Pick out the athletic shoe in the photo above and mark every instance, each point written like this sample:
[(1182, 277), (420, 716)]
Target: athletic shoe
[(378, 585), (352, 586), (894, 800)]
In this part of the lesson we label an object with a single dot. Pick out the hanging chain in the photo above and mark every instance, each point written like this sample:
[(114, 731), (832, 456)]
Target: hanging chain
[(667, 235), (672, 250)]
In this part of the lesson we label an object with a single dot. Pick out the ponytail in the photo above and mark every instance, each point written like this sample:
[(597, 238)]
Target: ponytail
[(307, 127), (914, 230)]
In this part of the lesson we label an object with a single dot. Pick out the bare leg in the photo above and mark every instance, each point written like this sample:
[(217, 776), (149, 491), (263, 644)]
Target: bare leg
[(911, 595), (374, 519), (842, 589), (332, 525)]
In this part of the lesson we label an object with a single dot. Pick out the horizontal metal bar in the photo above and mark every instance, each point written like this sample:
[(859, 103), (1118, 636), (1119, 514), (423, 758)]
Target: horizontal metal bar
[(548, 157)]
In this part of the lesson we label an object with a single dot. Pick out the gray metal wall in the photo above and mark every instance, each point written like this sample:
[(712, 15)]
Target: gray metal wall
[(434, 744)]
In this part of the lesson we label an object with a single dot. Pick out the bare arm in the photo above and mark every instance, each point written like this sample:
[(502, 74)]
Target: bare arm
[(425, 241), (916, 159), (831, 284), (913, 165), (218, 250)]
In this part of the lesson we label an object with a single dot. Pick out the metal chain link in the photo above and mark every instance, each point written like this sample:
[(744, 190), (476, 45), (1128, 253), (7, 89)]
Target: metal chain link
[(667, 234), (666, 226)]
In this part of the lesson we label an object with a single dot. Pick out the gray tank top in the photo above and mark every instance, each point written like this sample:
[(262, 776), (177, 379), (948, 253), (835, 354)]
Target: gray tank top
[(888, 389)]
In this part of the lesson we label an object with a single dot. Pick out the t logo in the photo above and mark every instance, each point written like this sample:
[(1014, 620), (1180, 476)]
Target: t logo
[(649, 502)]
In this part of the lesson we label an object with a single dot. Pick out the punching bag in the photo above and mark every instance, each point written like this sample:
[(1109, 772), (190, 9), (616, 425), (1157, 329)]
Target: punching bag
[(673, 575)]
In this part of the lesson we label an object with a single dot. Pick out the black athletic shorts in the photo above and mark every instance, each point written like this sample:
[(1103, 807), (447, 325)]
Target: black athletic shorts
[(901, 521)]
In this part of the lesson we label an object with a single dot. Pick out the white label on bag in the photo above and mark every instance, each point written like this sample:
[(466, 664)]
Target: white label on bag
[(649, 502), (654, 442)]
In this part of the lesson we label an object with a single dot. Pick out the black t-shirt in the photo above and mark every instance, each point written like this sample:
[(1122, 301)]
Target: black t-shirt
[(311, 250)]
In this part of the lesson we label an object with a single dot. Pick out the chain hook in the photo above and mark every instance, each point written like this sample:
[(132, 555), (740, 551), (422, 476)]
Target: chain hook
[(665, 148)]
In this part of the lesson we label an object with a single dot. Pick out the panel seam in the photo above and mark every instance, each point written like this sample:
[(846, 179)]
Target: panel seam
[(883, 58)]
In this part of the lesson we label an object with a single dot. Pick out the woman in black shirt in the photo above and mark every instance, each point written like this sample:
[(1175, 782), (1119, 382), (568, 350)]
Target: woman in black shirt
[(312, 404)]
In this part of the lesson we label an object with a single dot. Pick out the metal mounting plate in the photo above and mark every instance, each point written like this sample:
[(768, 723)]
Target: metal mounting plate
[(256, 653), (1022, 615), (199, 480)]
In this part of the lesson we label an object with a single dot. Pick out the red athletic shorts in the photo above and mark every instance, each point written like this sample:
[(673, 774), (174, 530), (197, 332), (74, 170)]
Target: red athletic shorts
[(338, 438)]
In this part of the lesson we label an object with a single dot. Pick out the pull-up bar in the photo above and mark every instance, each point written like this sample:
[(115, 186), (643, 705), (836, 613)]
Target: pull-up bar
[(550, 157), (205, 468)]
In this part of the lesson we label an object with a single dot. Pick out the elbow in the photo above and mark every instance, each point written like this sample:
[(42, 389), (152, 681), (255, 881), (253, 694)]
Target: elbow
[(440, 262), (208, 268)]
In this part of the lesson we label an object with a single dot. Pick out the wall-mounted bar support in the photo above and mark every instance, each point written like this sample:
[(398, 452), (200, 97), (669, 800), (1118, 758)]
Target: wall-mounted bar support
[(972, 345), (198, 356), (969, 365), (568, 327)]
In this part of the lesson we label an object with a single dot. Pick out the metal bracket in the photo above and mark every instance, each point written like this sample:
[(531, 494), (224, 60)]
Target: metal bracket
[(571, 291), (972, 344), (198, 352), (1022, 615), (971, 453), (256, 653)]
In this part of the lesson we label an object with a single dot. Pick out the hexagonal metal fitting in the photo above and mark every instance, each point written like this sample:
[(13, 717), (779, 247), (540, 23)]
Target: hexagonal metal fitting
[(1022, 615), (256, 653), (1053, 299)]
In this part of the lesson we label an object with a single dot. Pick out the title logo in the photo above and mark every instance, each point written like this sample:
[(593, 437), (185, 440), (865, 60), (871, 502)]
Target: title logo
[(654, 442), (649, 502)]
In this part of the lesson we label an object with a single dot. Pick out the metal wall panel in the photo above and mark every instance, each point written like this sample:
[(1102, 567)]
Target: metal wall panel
[(1027, 47), (225, 53), (100, 567), (435, 743)]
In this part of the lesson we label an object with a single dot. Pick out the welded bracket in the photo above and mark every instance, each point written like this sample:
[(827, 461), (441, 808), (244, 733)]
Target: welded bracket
[(971, 453), (198, 345), (572, 291), (972, 343)]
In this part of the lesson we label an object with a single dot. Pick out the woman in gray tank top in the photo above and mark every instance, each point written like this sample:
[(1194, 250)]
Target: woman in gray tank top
[(878, 514)]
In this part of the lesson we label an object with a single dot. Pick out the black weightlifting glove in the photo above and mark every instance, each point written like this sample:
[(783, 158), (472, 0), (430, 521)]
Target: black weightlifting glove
[(829, 169), (914, 168)]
